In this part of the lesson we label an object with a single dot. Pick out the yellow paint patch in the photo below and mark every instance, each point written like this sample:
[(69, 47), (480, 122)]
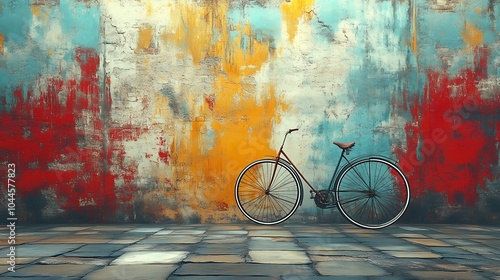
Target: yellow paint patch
[(1, 43), (472, 36), (194, 30), (240, 116), (145, 39), (293, 12), (40, 11), (35, 10), (149, 9), (414, 41)]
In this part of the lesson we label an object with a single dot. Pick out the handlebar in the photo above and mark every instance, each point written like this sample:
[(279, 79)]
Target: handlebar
[(284, 139)]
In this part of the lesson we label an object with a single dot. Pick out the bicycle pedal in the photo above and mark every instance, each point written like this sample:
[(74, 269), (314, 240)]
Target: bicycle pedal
[(312, 194)]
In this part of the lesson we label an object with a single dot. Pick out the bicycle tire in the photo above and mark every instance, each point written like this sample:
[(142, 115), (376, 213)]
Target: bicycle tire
[(279, 203), (372, 193)]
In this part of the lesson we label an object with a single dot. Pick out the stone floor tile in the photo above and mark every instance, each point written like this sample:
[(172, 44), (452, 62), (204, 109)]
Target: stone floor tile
[(491, 243), (132, 272), (483, 250), (473, 228), (55, 271), (220, 239), (164, 232), (88, 232), (138, 247), (215, 258), (225, 227), (320, 277), (365, 235), (247, 270), (19, 260), (74, 260), (329, 258), (72, 239), (125, 240), (439, 275), (145, 230), (337, 253), (259, 227), (351, 230), (390, 247), (273, 238), (325, 239), (41, 250), (233, 251), (279, 257), (229, 232), (96, 250), (413, 254), (454, 267), (480, 236), (150, 257), (341, 247), (117, 228), (449, 251), (409, 235), (461, 242), (280, 233), (24, 239), (428, 242), (473, 261), (188, 232), (216, 249), (414, 228), (493, 268), (69, 228), (349, 268), (219, 277), (318, 234), (174, 247), (273, 245), (187, 239), (312, 230)]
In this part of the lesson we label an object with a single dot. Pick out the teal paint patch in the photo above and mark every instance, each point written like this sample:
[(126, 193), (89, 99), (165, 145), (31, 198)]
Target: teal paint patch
[(478, 15), (29, 54), (81, 23), (331, 13), (438, 30), (264, 21), (371, 86), (15, 21)]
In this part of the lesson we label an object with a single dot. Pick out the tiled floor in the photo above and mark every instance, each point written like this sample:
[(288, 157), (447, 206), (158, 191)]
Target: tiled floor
[(250, 251)]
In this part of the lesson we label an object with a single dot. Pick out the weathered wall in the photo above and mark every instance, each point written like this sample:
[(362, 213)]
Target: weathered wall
[(146, 111)]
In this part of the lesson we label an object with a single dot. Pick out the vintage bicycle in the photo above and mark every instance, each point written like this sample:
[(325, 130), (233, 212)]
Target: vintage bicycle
[(370, 191)]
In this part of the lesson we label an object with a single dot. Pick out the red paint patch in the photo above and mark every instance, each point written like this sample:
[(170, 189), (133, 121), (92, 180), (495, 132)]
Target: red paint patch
[(210, 100), (222, 206), (452, 139), (164, 156), (58, 144)]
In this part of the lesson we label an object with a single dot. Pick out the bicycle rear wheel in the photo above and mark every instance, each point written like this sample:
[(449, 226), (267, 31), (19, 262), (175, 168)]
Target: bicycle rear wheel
[(265, 202), (372, 193)]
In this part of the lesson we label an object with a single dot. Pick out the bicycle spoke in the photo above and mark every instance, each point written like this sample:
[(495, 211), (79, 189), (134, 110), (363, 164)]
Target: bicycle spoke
[(386, 196), (266, 198)]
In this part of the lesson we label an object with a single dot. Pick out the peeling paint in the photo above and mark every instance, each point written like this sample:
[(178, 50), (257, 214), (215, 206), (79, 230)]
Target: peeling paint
[(146, 111)]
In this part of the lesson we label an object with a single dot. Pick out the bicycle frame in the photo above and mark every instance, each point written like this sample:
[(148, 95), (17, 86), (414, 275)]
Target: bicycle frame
[(312, 189)]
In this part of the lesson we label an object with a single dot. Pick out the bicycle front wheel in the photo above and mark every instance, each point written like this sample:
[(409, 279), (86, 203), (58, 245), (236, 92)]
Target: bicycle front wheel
[(266, 200), (372, 193)]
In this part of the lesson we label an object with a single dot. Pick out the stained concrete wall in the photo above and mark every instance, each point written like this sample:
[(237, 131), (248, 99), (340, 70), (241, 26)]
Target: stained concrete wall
[(146, 111)]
